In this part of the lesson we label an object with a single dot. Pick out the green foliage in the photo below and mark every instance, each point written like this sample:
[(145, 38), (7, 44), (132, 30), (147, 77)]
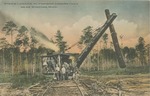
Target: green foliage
[(105, 38), (60, 43), (22, 30), (22, 39), (33, 42), (9, 27), (140, 47), (21, 80), (6, 52), (108, 54), (116, 71), (4, 43), (129, 53), (87, 36), (5, 78)]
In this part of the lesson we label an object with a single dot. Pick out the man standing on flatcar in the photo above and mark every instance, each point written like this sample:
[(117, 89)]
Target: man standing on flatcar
[(67, 67), (63, 72), (45, 66), (57, 72)]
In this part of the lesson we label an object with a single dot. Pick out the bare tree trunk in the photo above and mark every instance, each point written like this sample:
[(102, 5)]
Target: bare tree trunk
[(148, 54), (103, 62), (20, 63), (41, 66), (97, 58), (33, 64), (27, 64), (12, 60), (11, 37), (98, 63), (3, 62), (1, 58)]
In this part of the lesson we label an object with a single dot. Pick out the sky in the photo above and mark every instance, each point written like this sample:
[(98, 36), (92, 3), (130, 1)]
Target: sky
[(72, 16)]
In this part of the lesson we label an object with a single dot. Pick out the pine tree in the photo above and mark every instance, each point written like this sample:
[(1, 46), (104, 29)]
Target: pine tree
[(87, 36), (60, 42), (140, 47)]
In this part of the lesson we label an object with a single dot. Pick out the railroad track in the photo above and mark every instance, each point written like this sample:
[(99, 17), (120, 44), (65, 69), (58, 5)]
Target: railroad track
[(39, 89), (80, 90), (58, 88), (65, 88)]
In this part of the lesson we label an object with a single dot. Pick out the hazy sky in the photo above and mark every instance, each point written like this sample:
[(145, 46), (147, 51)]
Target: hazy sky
[(73, 16)]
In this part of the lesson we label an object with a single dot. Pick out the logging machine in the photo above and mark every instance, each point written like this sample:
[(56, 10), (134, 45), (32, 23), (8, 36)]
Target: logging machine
[(49, 62)]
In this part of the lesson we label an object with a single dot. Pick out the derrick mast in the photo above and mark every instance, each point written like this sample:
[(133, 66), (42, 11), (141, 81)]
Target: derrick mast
[(100, 32), (89, 47), (115, 42)]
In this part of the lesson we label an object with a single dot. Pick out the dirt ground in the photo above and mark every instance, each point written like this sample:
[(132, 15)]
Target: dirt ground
[(118, 85)]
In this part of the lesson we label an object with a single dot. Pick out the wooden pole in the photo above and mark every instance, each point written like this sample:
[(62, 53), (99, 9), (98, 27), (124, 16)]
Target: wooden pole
[(115, 42)]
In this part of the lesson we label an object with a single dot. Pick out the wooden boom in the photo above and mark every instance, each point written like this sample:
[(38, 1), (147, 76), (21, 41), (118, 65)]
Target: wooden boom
[(89, 47)]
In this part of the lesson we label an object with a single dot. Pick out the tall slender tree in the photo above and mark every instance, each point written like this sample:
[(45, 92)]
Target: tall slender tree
[(105, 55), (85, 39), (33, 50), (22, 42), (140, 47), (9, 28), (3, 45), (148, 53)]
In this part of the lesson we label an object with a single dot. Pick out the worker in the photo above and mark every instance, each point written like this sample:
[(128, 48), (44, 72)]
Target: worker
[(67, 67), (57, 72), (76, 74), (51, 64), (63, 72), (45, 66), (44, 63)]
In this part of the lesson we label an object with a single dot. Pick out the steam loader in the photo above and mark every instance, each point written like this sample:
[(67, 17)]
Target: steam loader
[(86, 51), (64, 58)]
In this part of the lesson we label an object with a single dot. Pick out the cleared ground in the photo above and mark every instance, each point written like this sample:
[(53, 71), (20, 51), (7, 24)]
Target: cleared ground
[(118, 85), (112, 85)]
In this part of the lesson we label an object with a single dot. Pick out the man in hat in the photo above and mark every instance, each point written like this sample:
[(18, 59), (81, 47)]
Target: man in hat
[(63, 72)]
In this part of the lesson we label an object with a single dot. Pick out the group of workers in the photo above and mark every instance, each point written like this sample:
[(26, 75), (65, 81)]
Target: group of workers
[(60, 71)]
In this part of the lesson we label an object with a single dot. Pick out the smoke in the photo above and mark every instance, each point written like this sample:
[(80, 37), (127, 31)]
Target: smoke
[(42, 39), (3, 19), (39, 36), (46, 43)]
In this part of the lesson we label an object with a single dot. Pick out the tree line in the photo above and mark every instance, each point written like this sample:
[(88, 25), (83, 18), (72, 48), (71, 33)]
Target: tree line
[(22, 54), (104, 56)]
